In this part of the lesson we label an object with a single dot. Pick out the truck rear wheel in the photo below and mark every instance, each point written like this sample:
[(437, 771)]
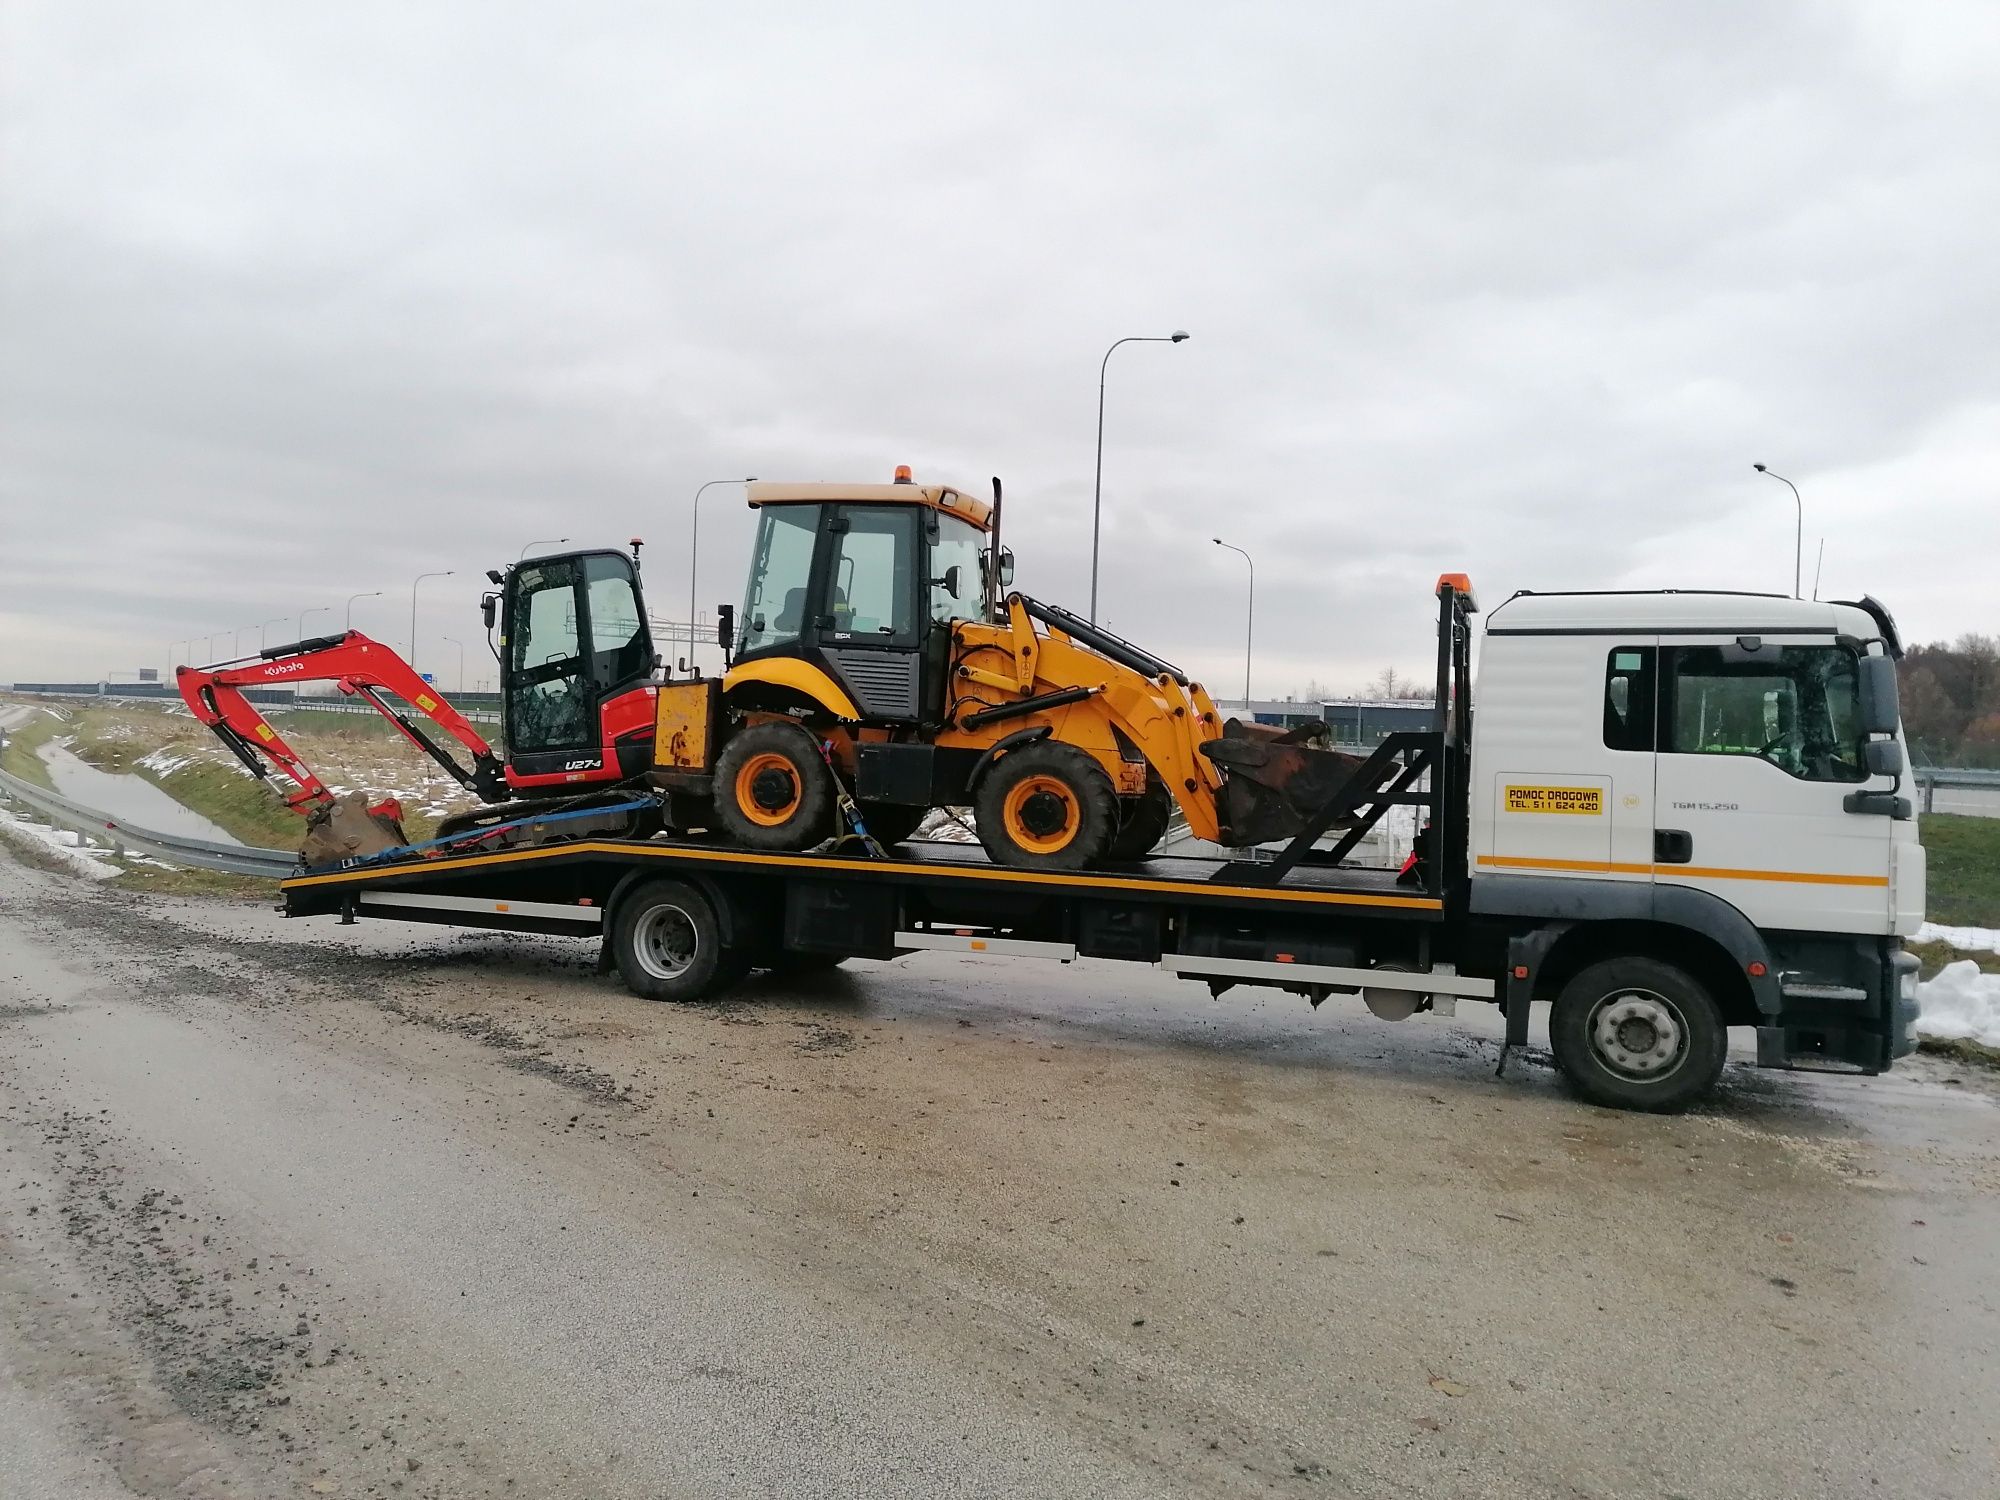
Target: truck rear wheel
[(667, 943), (772, 791), (1046, 806), (1636, 1033)]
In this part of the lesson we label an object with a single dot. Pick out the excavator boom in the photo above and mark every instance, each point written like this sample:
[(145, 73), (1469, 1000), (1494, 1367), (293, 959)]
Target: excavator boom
[(361, 667)]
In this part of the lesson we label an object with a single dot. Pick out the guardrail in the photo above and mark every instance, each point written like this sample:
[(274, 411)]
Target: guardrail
[(481, 708), (1953, 778), (90, 822)]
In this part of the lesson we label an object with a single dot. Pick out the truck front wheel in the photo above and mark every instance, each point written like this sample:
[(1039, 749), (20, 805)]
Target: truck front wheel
[(667, 944), (1636, 1033)]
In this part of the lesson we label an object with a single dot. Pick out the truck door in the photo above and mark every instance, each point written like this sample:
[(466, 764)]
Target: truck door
[(868, 627), (1565, 757), (1760, 746)]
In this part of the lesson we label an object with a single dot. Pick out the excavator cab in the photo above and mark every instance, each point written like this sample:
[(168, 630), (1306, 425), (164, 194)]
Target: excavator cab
[(576, 671), (851, 597)]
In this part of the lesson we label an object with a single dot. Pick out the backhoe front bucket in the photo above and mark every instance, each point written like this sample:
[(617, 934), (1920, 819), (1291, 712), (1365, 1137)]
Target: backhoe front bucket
[(348, 829), (1274, 780)]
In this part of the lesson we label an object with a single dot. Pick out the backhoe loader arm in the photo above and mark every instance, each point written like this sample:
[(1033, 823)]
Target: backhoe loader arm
[(359, 666)]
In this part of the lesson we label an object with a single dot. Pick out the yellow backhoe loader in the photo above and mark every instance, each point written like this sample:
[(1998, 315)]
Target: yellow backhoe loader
[(880, 654)]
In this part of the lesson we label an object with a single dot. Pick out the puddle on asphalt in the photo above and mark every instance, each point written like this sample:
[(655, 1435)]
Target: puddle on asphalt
[(131, 798)]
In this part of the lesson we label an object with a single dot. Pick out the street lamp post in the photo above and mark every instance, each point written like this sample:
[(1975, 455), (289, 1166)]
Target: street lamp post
[(371, 594), (461, 660), (552, 542), (446, 573), (694, 552), (317, 609), (1179, 335), (1799, 535), (1249, 615), (261, 629)]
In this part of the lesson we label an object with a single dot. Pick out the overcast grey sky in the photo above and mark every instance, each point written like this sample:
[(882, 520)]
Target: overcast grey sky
[(300, 301)]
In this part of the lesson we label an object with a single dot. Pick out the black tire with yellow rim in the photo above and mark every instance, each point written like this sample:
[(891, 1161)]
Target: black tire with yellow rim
[(772, 791), (1046, 806)]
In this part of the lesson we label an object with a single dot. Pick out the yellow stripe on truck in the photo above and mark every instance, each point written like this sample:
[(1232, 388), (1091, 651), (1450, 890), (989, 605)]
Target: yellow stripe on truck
[(1702, 872), (820, 863)]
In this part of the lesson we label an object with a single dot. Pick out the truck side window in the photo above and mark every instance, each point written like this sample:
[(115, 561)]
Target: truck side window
[(1797, 707), (1628, 698)]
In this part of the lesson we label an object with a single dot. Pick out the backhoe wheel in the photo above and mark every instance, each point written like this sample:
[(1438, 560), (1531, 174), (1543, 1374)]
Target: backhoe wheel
[(1144, 822), (1636, 1033), (772, 791), (667, 944), (1046, 805)]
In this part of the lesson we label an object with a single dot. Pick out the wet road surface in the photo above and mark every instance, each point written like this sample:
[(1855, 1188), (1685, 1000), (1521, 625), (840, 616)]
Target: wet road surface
[(300, 1209)]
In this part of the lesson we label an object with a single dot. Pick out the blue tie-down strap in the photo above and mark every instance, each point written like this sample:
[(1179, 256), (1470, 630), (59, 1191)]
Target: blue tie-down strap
[(459, 840)]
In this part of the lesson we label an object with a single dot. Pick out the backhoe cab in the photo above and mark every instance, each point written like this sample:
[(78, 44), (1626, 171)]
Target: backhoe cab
[(879, 656)]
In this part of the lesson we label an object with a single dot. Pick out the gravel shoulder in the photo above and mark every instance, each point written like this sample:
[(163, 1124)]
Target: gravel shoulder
[(296, 1208)]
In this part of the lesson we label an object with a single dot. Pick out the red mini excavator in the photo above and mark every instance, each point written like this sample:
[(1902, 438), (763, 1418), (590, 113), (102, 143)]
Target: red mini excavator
[(577, 696)]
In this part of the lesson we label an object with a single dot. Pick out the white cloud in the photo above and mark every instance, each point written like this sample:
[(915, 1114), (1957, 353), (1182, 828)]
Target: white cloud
[(301, 304)]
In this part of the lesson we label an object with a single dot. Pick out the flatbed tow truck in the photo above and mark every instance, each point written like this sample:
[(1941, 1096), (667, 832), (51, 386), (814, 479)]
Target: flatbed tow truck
[(1672, 814)]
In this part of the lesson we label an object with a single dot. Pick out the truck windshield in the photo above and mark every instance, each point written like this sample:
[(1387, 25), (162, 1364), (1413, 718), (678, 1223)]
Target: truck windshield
[(774, 604), (1798, 707)]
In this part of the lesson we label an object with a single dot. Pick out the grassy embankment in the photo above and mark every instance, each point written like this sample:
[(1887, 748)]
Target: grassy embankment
[(192, 767)]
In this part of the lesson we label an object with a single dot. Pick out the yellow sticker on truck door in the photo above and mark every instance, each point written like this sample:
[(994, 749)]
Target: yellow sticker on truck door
[(1586, 801)]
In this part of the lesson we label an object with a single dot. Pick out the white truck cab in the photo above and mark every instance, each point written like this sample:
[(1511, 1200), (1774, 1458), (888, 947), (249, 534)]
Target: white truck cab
[(1727, 765)]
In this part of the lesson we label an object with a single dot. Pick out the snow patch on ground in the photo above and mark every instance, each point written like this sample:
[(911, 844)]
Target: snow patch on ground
[(1965, 939), (944, 826), (1961, 1004), (71, 848), (164, 762)]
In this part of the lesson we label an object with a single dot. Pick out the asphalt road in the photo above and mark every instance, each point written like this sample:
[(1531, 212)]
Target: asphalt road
[(297, 1209)]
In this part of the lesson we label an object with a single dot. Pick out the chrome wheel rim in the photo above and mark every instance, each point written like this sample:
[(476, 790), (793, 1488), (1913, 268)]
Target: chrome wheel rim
[(665, 941), (1638, 1034)]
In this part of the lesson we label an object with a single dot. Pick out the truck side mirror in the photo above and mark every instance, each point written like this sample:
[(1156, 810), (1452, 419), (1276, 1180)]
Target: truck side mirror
[(1880, 712), (488, 606), (1006, 567), (1882, 758), (950, 580), (725, 625)]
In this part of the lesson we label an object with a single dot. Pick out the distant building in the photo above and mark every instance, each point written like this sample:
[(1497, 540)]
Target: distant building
[(1354, 721)]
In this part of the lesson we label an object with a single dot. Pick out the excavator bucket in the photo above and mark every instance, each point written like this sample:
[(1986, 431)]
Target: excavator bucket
[(1275, 779), (348, 828)]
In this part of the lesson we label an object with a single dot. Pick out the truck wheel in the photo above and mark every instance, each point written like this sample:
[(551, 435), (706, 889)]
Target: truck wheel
[(1636, 1033), (1143, 822), (667, 943), (1046, 805), (772, 791)]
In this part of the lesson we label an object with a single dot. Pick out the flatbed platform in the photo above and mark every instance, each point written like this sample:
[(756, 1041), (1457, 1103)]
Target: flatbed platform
[(933, 865)]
